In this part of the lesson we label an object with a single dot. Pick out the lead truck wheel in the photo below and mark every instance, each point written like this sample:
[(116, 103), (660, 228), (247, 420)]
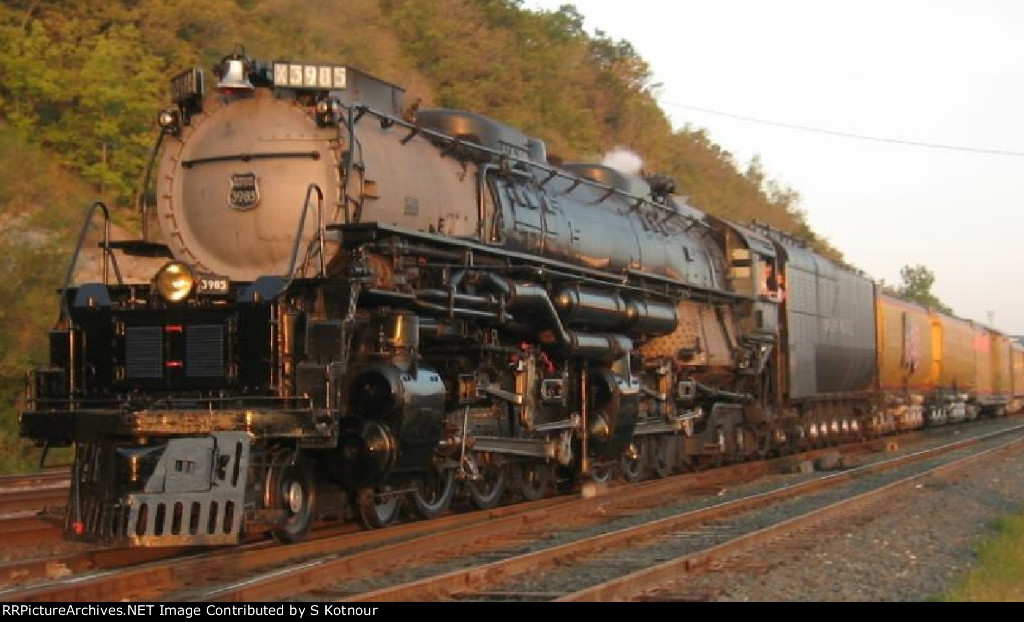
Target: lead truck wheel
[(293, 491)]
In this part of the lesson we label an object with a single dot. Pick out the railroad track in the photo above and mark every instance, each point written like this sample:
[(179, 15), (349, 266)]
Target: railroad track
[(494, 555), (674, 579), (28, 528), (31, 505), (33, 491), (654, 558), (46, 477)]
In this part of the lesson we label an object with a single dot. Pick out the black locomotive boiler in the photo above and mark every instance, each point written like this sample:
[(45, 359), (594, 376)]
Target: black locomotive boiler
[(361, 311)]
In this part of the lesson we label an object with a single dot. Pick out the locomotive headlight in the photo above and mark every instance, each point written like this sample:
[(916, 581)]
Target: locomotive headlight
[(169, 121), (175, 281)]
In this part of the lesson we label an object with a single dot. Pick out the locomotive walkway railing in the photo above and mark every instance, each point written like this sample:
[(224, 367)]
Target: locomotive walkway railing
[(109, 259)]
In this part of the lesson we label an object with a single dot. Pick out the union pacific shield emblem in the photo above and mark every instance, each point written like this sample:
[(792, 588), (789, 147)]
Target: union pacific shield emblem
[(245, 191)]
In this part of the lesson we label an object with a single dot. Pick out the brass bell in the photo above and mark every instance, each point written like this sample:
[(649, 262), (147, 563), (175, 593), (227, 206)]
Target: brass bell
[(234, 76)]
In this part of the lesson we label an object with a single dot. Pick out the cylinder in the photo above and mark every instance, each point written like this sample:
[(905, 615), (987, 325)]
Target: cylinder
[(591, 307), (650, 318), (600, 347)]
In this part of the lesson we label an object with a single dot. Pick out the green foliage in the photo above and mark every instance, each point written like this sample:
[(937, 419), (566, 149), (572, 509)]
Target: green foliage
[(998, 574), (916, 285), (29, 73), (83, 86), (538, 72), (38, 205), (189, 33)]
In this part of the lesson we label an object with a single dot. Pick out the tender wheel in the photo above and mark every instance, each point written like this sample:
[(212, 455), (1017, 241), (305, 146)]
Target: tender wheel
[(663, 455), (432, 494), (292, 489), (632, 466), (533, 481), (488, 491), (602, 472), (377, 507)]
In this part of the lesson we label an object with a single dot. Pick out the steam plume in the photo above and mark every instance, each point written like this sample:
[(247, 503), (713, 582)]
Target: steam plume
[(623, 160)]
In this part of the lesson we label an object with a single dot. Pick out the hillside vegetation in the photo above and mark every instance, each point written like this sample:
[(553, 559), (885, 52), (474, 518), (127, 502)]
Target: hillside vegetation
[(81, 82)]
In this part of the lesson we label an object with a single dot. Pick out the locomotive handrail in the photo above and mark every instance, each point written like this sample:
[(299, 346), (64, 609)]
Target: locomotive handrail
[(318, 238), (418, 241), (249, 157), (108, 253), (350, 126), (103, 404), (140, 199)]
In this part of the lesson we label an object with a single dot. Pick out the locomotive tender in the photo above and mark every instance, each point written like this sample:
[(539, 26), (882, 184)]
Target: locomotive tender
[(363, 311)]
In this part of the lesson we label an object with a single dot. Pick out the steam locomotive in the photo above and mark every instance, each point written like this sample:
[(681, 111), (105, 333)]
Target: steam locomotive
[(364, 309)]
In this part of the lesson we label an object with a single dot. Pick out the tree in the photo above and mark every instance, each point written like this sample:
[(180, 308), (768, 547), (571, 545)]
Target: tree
[(41, 208), (916, 286)]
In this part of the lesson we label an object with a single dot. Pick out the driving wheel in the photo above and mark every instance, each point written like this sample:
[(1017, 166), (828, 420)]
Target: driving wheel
[(432, 494)]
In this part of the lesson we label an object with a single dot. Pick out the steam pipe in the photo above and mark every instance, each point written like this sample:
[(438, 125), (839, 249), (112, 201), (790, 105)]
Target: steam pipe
[(469, 299), (535, 299), (400, 299), (452, 311)]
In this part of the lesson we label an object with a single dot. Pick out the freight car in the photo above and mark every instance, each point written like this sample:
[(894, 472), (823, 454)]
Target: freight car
[(364, 308)]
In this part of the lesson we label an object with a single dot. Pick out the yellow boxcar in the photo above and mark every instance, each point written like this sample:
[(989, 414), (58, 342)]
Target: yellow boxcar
[(1016, 376), (981, 343), (954, 366), (996, 402), (905, 370)]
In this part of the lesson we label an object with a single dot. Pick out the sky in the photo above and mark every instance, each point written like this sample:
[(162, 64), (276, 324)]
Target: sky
[(900, 123)]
